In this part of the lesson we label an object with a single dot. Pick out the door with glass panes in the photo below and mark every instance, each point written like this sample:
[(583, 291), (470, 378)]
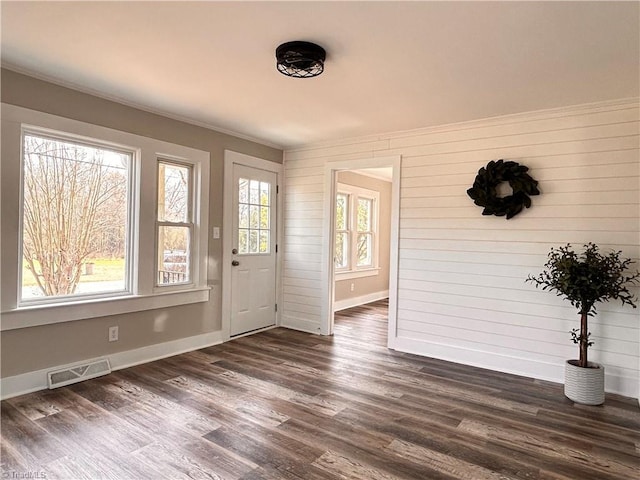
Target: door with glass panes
[(253, 270)]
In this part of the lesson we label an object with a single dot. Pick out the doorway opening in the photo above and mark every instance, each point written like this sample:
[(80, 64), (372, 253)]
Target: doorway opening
[(361, 252), (362, 211)]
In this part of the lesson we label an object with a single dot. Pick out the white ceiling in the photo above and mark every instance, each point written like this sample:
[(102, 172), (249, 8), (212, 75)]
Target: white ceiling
[(390, 65)]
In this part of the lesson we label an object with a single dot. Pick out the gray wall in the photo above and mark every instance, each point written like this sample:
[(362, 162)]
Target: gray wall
[(35, 348)]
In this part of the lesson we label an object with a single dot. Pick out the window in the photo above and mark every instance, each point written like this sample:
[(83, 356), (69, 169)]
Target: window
[(174, 223), (342, 231), (75, 218), (254, 210), (356, 220), (92, 217), (364, 232)]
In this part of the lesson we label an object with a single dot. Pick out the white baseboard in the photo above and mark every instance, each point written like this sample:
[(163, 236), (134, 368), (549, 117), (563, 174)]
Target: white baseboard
[(300, 324), (361, 300), (518, 366), (37, 380)]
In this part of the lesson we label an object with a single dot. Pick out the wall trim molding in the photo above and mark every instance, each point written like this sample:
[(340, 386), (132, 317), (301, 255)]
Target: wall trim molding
[(37, 380), (550, 372), (360, 300), (300, 324)]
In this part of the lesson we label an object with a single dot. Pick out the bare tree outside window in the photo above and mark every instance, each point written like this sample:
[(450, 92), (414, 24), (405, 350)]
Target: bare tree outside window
[(74, 215)]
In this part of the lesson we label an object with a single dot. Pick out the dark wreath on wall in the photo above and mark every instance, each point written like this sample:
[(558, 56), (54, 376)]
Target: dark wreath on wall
[(484, 192)]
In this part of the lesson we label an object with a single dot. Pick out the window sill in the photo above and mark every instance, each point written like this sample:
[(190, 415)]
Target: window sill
[(368, 272), (33, 316)]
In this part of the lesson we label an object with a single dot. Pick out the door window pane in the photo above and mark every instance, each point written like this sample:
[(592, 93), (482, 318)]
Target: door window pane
[(243, 190), (254, 192), (243, 216), (264, 193), (264, 218), (253, 241), (243, 241), (264, 241), (254, 217)]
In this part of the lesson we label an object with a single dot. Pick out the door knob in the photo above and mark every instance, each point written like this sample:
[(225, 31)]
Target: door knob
[(235, 263), (234, 251)]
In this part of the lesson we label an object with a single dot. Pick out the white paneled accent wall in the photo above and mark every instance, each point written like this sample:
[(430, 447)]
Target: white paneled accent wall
[(461, 290)]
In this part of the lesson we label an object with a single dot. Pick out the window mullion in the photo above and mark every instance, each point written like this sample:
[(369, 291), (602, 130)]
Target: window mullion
[(175, 224)]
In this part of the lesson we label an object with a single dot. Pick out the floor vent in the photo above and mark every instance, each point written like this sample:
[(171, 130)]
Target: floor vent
[(78, 373)]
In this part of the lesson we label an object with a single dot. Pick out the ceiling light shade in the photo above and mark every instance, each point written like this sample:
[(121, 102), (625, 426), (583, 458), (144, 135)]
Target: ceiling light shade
[(300, 59)]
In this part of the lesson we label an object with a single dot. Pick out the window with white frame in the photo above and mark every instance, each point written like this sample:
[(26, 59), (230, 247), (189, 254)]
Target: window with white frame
[(76, 222), (100, 216), (356, 242), (174, 223)]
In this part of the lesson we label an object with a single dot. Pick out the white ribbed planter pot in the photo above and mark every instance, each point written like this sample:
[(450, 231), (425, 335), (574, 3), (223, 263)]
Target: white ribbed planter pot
[(584, 385)]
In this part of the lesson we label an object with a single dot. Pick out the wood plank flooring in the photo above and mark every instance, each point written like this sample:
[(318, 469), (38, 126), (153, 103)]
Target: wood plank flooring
[(288, 405)]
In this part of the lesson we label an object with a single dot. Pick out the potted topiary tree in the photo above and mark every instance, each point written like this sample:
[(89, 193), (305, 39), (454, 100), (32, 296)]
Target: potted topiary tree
[(585, 279)]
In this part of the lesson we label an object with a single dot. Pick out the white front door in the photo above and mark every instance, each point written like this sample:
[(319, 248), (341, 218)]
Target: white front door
[(253, 265)]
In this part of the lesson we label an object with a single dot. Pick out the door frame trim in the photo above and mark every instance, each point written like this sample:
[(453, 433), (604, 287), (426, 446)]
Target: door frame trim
[(328, 286), (231, 158)]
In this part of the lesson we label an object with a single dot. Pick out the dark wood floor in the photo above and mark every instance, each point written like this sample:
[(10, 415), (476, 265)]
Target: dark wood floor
[(288, 405)]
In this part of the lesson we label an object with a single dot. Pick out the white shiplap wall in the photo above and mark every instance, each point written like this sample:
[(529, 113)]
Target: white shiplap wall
[(461, 290)]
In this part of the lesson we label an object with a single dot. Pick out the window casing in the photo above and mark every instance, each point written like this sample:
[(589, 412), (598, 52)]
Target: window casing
[(138, 288), (174, 224), (76, 205), (356, 241)]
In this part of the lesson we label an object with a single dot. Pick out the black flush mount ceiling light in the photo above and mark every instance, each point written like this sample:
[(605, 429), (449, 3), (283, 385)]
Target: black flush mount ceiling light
[(300, 59)]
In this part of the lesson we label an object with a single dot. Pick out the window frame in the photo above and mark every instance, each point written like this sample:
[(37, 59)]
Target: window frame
[(353, 193), (129, 234), (271, 228), (191, 224), (345, 231), (372, 220), (143, 294)]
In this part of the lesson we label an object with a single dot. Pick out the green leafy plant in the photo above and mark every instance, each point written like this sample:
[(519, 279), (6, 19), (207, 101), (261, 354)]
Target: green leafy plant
[(585, 279)]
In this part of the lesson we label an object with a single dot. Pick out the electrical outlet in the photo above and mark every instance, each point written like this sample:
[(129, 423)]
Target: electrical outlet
[(353, 286), (113, 334)]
